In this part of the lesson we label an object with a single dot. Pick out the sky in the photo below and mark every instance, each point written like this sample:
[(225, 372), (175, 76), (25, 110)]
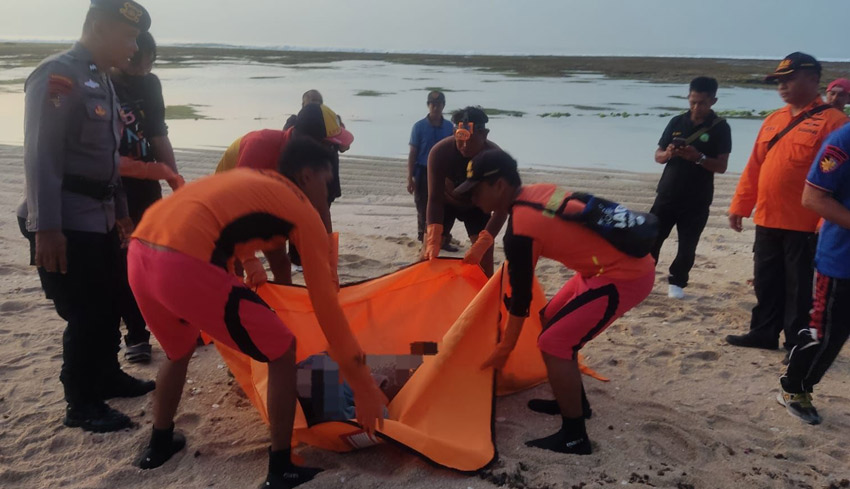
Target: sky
[(723, 28)]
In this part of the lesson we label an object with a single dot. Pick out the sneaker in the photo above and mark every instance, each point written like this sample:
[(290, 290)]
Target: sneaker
[(297, 269), (448, 246), (675, 292), (138, 353), (800, 406), (95, 417), (123, 384)]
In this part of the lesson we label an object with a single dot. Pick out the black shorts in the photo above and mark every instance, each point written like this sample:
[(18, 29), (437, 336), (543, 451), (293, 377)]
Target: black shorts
[(473, 218)]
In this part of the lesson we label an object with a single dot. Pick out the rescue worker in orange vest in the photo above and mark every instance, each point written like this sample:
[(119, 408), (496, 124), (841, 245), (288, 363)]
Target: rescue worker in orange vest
[(607, 284), (772, 183)]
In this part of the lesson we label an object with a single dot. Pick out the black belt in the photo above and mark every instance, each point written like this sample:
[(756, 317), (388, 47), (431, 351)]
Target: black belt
[(88, 187)]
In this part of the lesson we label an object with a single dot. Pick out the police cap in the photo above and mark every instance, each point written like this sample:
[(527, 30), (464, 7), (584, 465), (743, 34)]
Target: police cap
[(126, 11)]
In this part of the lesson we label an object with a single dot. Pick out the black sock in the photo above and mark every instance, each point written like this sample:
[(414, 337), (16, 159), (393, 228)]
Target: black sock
[(571, 438), (161, 439), (283, 474), (550, 406), (279, 461), (163, 445)]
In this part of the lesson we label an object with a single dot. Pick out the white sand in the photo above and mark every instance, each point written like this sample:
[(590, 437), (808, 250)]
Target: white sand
[(683, 409)]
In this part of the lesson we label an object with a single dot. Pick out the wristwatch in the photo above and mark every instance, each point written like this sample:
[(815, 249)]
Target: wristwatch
[(702, 158)]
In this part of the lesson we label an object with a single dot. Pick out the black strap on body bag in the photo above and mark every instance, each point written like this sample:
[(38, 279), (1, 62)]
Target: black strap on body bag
[(693, 137), (775, 139), (633, 233)]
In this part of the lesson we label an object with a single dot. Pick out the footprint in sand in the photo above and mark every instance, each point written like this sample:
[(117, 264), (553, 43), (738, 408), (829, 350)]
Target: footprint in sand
[(13, 269), (403, 240), (667, 441), (188, 420), (356, 262), (14, 306), (696, 360)]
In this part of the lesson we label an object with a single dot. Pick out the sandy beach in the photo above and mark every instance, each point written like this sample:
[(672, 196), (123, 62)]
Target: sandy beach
[(682, 410)]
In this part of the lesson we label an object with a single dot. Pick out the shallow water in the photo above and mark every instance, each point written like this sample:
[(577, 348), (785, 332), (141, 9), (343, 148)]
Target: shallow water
[(240, 96)]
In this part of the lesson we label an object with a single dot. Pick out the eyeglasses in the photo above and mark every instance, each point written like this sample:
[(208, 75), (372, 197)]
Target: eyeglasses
[(436, 102), (464, 130)]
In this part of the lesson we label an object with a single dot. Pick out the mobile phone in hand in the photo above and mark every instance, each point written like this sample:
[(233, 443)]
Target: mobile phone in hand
[(679, 142)]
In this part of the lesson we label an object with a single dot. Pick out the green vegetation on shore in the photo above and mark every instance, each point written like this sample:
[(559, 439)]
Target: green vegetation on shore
[(182, 112), (585, 107), (501, 112), (729, 72), (440, 89), (371, 93), (744, 114)]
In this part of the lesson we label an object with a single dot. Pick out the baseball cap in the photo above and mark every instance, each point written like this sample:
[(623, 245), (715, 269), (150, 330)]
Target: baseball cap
[(490, 164), (126, 11), (794, 62), (842, 83), (321, 123)]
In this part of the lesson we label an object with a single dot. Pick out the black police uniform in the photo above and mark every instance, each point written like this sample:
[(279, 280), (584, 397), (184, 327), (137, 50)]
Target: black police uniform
[(72, 130)]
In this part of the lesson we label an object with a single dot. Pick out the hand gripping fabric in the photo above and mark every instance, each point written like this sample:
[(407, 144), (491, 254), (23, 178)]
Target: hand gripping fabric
[(433, 241), (478, 248), (444, 413)]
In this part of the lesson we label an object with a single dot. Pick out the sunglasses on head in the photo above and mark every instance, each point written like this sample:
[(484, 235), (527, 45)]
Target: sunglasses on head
[(464, 130)]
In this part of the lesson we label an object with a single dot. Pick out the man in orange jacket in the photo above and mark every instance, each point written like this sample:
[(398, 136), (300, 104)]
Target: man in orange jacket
[(772, 183)]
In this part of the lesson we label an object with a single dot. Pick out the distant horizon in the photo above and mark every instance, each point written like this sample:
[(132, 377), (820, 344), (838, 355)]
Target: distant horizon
[(335, 49)]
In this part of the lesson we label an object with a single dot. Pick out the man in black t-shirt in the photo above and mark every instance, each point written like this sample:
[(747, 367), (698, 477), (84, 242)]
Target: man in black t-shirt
[(695, 145), (146, 157)]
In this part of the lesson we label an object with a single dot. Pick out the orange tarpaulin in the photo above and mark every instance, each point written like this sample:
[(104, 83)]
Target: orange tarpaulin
[(445, 411)]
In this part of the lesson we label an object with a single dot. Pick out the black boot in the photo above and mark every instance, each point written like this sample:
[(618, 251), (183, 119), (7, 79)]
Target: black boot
[(122, 384), (283, 474), (163, 445), (750, 340), (95, 416), (571, 438)]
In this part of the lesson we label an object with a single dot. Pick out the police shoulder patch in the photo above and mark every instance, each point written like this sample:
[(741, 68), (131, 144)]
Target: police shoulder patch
[(833, 157), (59, 84)]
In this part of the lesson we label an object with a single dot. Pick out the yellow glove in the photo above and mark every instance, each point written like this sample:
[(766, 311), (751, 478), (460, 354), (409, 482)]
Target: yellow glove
[(478, 248), (255, 274), (433, 241)]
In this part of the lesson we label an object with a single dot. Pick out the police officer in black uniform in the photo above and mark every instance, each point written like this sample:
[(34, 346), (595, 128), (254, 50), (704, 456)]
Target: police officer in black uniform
[(74, 212)]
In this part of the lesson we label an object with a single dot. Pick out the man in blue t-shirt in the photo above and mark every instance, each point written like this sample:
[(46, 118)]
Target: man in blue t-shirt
[(827, 192), (425, 134)]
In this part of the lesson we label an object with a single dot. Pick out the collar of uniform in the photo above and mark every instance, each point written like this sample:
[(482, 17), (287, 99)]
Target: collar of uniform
[(82, 53), (818, 101)]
